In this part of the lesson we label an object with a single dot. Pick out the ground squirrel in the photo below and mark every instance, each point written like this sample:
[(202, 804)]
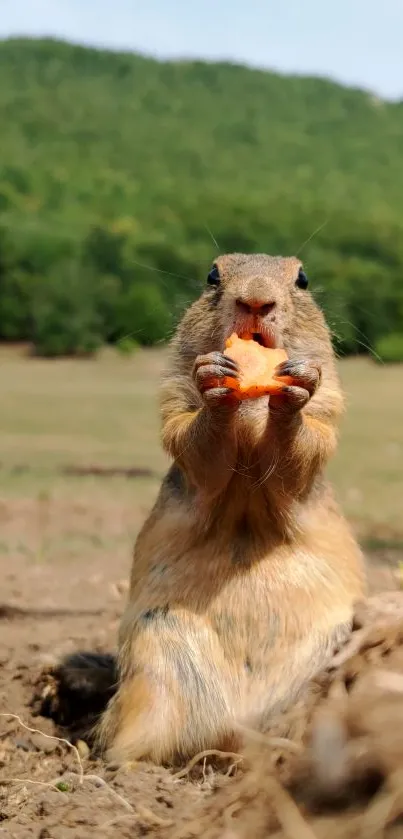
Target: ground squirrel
[(245, 573)]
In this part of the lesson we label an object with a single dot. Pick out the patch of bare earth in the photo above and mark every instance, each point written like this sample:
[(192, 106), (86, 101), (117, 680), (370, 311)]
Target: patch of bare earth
[(50, 607), (333, 765)]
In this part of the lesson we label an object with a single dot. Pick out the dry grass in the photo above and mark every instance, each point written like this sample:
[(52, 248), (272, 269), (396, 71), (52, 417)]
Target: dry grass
[(76, 413), (58, 412), (105, 412), (368, 468)]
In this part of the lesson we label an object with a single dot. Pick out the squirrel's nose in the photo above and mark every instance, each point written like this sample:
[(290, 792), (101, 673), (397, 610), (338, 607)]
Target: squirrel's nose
[(255, 307)]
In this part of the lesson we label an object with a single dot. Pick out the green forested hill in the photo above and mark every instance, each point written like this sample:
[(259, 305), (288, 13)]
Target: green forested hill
[(113, 162)]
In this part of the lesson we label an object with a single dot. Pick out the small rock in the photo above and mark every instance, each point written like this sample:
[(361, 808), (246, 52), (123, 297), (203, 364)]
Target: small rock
[(48, 660), (83, 749), (23, 743), (44, 744)]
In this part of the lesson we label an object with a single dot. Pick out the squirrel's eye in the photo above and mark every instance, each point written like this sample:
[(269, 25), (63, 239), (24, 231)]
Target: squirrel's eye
[(302, 279), (213, 277)]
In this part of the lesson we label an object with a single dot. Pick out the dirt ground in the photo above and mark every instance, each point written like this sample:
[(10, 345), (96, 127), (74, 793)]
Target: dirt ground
[(340, 773), (332, 766)]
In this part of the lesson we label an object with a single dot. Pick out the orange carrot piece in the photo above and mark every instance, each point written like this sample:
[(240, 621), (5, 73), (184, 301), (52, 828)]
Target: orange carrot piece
[(256, 368)]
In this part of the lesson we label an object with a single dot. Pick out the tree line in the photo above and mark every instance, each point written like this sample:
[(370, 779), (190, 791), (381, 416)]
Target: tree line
[(121, 177)]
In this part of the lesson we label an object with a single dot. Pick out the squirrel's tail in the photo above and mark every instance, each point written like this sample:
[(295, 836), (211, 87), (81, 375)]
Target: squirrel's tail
[(80, 689)]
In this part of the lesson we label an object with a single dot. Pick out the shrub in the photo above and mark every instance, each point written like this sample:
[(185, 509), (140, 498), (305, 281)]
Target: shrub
[(16, 293), (65, 315), (390, 348), (126, 346), (143, 315)]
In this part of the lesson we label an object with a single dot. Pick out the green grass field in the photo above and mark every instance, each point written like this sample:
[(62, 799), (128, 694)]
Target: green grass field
[(105, 413)]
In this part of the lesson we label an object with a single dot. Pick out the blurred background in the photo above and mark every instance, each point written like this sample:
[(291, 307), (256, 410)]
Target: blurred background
[(136, 140)]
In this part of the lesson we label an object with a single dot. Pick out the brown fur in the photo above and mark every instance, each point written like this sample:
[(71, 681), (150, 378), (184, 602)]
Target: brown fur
[(245, 573)]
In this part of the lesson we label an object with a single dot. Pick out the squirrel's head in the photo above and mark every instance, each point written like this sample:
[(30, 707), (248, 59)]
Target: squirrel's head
[(266, 296)]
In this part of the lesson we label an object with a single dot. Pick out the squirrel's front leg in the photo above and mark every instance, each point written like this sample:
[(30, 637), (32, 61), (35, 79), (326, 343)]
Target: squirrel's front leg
[(301, 427), (204, 442)]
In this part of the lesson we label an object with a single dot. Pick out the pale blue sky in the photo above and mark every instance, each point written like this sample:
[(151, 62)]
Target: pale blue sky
[(357, 42)]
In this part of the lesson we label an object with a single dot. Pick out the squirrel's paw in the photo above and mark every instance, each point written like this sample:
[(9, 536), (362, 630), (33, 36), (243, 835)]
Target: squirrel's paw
[(306, 376), (211, 373)]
